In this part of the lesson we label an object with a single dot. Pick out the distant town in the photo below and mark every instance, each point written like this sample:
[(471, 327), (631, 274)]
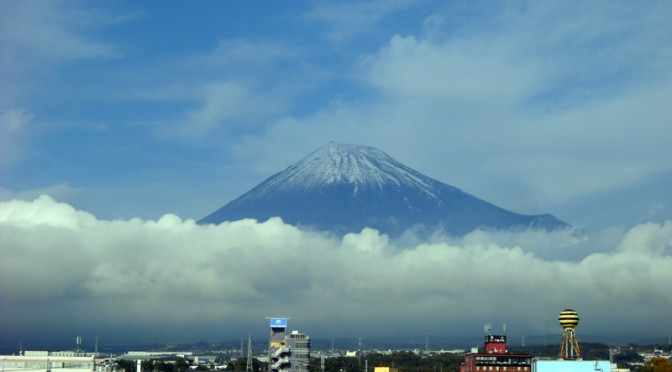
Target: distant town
[(291, 351)]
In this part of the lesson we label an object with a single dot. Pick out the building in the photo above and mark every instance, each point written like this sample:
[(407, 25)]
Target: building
[(560, 365), (299, 351), (43, 361), (287, 352), (385, 369), (496, 358)]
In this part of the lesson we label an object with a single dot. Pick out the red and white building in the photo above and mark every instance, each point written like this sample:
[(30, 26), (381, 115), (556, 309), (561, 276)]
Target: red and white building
[(496, 358)]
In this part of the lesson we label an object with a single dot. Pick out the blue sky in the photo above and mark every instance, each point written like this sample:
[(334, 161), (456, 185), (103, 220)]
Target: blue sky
[(137, 110), (134, 110)]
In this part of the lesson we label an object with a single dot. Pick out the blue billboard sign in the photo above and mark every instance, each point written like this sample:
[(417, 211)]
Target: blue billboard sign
[(278, 322)]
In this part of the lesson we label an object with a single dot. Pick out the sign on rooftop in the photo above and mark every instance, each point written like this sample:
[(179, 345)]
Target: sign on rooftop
[(278, 322)]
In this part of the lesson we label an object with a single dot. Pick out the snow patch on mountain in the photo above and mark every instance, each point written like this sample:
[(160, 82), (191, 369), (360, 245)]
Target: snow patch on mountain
[(362, 167)]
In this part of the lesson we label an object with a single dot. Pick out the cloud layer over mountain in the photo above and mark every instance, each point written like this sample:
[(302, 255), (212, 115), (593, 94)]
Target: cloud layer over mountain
[(63, 272)]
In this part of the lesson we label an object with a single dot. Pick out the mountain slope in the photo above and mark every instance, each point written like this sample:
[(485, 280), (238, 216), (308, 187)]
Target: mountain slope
[(344, 188)]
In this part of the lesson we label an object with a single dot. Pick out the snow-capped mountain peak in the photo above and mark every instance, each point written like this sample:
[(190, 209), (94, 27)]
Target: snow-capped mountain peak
[(360, 167), (344, 188)]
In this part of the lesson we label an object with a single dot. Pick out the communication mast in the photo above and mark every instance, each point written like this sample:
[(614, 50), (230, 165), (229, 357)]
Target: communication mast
[(569, 346), (79, 345), (249, 354)]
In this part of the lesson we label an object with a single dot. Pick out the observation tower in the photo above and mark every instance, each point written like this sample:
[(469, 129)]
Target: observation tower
[(569, 347)]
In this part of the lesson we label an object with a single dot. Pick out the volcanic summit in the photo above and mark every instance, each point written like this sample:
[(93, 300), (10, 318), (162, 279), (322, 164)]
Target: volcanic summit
[(344, 188)]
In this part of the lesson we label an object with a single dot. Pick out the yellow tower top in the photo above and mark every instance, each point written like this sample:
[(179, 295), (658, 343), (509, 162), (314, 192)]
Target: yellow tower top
[(569, 319)]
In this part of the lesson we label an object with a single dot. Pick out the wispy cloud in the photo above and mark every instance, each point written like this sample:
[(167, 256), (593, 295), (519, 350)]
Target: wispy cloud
[(12, 125), (38, 40), (36, 32), (14, 120), (346, 20), (232, 89), (522, 96)]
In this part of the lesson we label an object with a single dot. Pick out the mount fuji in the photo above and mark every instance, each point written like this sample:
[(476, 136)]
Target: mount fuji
[(344, 188)]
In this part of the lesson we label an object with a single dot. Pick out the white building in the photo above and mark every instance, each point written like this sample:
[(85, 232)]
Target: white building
[(43, 361), (560, 365)]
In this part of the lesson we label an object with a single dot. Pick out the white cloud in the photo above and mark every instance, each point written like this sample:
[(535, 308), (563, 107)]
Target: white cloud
[(240, 56), (38, 39), (13, 122), (89, 273), (511, 104), (53, 31), (222, 108), (229, 90), (346, 20), (222, 102), (14, 119)]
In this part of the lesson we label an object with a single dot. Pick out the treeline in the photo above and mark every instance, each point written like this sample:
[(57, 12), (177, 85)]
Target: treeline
[(404, 361), (589, 350)]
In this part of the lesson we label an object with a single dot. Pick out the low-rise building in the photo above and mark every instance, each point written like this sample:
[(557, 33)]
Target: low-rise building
[(43, 361), (561, 365), (496, 358)]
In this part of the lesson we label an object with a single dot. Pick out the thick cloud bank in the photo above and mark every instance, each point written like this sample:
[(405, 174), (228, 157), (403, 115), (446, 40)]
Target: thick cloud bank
[(62, 272)]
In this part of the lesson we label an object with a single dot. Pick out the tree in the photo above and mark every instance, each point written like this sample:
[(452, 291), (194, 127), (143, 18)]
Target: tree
[(147, 365), (161, 366), (657, 365), (126, 365), (181, 365)]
